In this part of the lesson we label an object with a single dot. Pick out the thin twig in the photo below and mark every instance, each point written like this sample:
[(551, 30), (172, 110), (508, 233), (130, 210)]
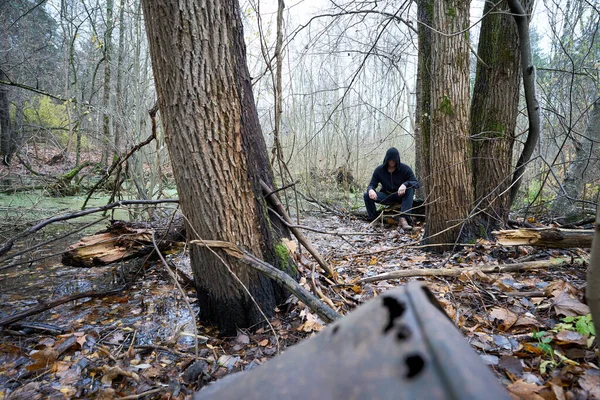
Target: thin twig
[(183, 295), (230, 270), (64, 217)]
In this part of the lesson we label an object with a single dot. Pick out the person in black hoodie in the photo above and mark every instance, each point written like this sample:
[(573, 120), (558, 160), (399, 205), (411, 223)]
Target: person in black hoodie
[(398, 184)]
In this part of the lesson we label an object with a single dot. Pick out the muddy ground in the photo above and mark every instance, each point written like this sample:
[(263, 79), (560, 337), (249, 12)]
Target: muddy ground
[(531, 328)]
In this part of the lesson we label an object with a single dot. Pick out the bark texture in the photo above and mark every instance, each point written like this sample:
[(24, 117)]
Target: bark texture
[(423, 109), (592, 290), (494, 110), (584, 169), (450, 192), (217, 149), (5, 131)]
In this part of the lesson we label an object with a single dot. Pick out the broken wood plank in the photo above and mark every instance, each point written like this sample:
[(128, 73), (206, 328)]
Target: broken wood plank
[(122, 241), (546, 237)]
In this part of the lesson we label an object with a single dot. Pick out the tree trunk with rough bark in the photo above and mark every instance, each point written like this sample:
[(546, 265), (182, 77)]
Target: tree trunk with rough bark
[(423, 109), (494, 111), (450, 192), (217, 151), (592, 290), (583, 170), (106, 118), (5, 131)]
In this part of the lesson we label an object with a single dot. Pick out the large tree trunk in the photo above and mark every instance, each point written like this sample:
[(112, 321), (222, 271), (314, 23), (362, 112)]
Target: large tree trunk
[(494, 110), (217, 150), (450, 192), (584, 169), (106, 118), (5, 131), (423, 109)]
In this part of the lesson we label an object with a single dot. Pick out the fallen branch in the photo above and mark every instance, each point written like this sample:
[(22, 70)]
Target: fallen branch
[(332, 233), (122, 158), (47, 306), (450, 272), (181, 291), (309, 247), (546, 237), (316, 305), (9, 244)]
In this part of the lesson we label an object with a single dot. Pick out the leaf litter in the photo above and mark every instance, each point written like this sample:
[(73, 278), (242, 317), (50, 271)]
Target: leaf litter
[(532, 328)]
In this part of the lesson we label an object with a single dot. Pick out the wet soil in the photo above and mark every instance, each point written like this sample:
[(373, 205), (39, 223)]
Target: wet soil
[(140, 343)]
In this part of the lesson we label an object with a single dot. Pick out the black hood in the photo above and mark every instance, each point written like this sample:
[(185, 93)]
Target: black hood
[(392, 154)]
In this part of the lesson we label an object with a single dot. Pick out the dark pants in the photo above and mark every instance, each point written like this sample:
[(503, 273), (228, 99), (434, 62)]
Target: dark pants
[(389, 199)]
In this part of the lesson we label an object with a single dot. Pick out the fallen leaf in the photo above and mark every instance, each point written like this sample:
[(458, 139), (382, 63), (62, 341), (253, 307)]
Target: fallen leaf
[(263, 342), (532, 348), (590, 381), (81, 340), (508, 318), (569, 307), (373, 261), (557, 288), (511, 364), (227, 361), (563, 337), (290, 244), (525, 391), (527, 320), (242, 339), (43, 358)]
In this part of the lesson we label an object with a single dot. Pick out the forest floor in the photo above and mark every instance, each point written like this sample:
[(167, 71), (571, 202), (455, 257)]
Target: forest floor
[(532, 328)]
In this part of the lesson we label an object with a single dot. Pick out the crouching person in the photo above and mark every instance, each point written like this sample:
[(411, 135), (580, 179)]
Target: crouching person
[(398, 184)]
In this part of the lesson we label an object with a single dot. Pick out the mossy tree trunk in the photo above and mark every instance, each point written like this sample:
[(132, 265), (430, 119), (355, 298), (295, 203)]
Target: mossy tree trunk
[(450, 188), (217, 150), (494, 110)]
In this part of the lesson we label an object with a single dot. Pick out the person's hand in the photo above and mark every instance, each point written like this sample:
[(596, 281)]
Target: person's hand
[(372, 194), (401, 190)]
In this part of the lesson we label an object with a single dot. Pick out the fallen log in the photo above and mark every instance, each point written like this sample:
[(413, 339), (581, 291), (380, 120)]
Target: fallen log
[(122, 241), (450, 272), (546, 237)]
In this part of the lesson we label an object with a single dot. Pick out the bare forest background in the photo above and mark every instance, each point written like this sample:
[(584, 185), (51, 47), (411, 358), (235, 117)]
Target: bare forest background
[(335, 86), (219, 144)]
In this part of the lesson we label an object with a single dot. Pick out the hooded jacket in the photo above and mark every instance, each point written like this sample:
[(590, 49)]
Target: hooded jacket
[(391, 181)]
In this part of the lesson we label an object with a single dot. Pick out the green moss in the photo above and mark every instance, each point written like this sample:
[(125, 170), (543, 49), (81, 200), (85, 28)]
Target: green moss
[(451, 12), (496, 129), (283, 258), (446, 106)]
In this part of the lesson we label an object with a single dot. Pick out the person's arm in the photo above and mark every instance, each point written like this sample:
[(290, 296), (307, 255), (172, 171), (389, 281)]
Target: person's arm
[(410, 180), (374, 181), (371, 189)]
